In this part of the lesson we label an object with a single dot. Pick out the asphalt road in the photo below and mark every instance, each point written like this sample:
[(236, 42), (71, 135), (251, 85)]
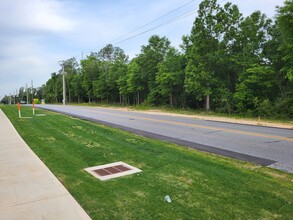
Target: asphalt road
[(261, 145)]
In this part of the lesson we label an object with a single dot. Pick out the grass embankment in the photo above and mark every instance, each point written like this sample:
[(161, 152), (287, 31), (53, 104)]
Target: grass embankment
[(201, 186)]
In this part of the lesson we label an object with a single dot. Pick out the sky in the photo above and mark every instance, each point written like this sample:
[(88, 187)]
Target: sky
[(36, 34)]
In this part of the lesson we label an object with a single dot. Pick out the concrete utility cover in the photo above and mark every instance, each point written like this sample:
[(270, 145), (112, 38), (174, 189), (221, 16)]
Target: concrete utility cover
[(112, 170), (40, 114)]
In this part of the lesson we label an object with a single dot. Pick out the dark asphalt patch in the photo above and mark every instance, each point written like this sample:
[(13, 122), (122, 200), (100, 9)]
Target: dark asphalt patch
[(272, 142), (201, 147), (211, 132)]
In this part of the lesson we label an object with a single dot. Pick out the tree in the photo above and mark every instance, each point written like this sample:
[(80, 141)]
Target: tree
[(70, 69), (119, 69), (255, 87), (5, 99), (40, 93), (211, 52), (170, 78), (201, 55), (53, 88), (148, 60), (105, 87), (89, 73), (136, 82), (285, 21), (250, 86), (278, 50), (76, 85), (22, 94)]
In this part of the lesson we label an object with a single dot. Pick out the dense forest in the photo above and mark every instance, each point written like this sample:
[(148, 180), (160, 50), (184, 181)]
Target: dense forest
[(228, 63)]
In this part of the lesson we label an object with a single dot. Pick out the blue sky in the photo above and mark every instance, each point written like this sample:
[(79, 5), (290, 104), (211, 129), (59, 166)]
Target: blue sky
[(36, 34)]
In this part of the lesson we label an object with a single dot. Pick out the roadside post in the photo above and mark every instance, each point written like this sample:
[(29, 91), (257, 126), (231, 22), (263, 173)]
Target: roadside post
[(33, 106), (18, 107)]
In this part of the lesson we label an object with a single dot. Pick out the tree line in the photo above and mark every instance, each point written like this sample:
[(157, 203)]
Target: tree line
[(228, 63)]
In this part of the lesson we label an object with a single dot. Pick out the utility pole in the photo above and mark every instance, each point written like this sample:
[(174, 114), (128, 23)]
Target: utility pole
[(64, 85), (32, 90), (26, 94)]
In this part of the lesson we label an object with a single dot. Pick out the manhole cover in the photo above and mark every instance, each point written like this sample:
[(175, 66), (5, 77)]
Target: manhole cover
[(112, 170)]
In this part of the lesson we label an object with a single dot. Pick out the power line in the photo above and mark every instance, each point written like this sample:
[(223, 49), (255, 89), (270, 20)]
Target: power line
[(165, 23), (158, 26), (186, 14), (148, 23), (170, 12)]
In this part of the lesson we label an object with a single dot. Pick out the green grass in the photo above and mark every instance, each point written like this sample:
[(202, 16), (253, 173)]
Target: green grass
[(201, 185)]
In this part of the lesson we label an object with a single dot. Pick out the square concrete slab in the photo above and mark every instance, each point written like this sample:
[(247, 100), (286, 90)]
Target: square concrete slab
[(112, 170)]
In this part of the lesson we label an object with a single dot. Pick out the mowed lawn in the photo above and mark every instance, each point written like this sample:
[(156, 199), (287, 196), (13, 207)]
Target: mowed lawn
[(201, 185)]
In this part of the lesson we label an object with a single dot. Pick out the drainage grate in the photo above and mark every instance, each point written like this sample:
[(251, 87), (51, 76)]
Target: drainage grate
[(112, 170)]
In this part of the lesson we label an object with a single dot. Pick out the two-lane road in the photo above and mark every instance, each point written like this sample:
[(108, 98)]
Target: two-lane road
[(262, 145)]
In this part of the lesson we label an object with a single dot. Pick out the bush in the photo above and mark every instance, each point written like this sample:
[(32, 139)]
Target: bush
[(284, 107), (36, 101), (265, 108)]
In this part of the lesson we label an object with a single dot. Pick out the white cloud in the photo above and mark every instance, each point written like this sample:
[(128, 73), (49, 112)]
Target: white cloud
[(29, 40), (34, 15)]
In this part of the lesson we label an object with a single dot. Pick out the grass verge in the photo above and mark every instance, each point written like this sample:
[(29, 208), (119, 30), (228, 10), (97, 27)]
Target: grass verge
[(201, 185)]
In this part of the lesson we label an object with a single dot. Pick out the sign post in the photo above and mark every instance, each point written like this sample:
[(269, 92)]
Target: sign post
[(18, 107)]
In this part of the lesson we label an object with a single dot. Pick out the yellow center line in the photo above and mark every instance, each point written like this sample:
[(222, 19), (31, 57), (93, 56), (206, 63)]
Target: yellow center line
[(202, 126)]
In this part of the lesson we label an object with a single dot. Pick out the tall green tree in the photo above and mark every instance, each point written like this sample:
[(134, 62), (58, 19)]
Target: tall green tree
[(53, 89), (70, 69), (148, 60), (76, 85), (136, 82), (285, 21), (279, 53), (202, 53), (170, 78), (253, 37), (106, 87), (229, 19), (89, 73)]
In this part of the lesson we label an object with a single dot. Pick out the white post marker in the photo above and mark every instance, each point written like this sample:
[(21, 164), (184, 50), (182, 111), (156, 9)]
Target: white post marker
[(33, 106), (18, 107)]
